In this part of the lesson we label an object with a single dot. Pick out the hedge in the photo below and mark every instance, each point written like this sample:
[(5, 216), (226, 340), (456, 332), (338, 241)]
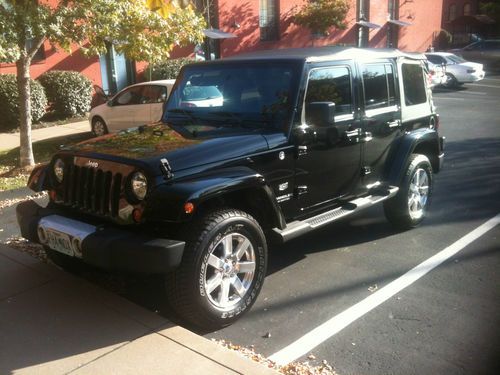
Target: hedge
[(9, 99), (69, 93), (168, 69)]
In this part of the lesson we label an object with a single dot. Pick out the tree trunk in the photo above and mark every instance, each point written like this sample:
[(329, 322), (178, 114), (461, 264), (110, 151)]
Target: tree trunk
[(23, 86)]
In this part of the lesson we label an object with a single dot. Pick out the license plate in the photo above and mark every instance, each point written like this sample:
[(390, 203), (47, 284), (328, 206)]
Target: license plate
[(60, 242)]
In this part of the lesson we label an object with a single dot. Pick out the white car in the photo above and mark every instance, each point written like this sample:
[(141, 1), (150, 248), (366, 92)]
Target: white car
[(135, 105), (458, 70)]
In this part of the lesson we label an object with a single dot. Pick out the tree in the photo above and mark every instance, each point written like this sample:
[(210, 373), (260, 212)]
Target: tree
[(139, 29), (320, 15)]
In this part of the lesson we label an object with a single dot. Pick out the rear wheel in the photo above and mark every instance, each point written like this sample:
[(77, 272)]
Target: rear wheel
[(451, 81), (409, 207), (222, 270), (99, 127)]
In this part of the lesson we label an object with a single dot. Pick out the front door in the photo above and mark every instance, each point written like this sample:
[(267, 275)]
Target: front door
[(328, 157)]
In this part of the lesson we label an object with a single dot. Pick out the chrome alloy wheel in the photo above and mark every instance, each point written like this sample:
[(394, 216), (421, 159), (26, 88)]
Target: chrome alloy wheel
[(418, 193), (229, 271)]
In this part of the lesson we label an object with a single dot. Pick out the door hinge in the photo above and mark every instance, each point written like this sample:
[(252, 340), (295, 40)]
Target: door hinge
[(166, 169), (301, 150)]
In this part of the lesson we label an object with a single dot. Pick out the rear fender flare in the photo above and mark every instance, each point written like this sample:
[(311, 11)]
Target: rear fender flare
[(424, 140)]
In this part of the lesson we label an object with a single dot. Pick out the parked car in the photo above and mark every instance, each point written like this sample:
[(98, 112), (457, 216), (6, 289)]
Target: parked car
[(135, 105), (436, 74), (458, 70), (304, 137), (201, 96), (486, 52)]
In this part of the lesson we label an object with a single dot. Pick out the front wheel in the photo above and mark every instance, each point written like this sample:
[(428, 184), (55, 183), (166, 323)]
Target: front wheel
[(409, 207), (222, 270)]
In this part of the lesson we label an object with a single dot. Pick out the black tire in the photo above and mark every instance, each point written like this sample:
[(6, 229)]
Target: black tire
[(186, 287), (99, 126), (409, 207), (451, 82), (64, 261)]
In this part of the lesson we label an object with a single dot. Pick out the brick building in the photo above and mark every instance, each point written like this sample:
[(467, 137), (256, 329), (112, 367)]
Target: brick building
[(464, 21), (410, 25)]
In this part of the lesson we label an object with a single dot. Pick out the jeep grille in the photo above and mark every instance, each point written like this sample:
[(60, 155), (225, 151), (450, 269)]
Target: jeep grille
[(99, 191)]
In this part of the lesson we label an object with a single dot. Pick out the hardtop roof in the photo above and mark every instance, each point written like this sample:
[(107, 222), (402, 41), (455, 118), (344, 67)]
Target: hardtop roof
[(324, 53)]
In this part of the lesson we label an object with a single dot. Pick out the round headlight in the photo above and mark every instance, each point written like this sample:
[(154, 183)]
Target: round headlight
[(139, 185), (59, 170)]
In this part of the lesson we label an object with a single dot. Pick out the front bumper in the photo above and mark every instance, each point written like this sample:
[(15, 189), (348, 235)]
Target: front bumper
[(106, 247)]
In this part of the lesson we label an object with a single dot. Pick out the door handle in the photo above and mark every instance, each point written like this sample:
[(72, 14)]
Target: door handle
[(352, 135), (393, 124)]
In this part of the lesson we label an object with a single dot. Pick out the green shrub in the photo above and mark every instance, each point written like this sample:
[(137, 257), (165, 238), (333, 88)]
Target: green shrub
[(69, 93), (166, 70), (9, 99)]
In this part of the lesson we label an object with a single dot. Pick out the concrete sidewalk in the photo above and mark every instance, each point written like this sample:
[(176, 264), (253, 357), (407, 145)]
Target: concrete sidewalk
[(9, 141), (52, 322)]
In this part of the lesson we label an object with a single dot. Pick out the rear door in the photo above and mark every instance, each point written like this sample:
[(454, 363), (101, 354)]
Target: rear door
[(381, 118)]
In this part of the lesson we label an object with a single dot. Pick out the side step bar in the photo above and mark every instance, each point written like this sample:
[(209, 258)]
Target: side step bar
[(298, 228)]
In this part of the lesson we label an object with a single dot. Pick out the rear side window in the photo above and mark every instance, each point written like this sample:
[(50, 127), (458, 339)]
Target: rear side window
[(331, 85), (378, 84), (414, 84)]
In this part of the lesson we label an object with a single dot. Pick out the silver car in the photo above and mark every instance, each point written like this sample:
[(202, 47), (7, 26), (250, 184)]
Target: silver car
[(486, 52)]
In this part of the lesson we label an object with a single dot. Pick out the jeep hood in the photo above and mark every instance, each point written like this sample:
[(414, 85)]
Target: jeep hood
[(150, 143)]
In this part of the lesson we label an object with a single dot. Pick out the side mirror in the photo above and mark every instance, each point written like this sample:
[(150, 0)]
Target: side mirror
[(320, 113), (109, 103)]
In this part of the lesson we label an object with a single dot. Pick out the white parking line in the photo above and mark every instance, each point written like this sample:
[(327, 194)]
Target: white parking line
[(481, 85), (448, 98), (326, 330)]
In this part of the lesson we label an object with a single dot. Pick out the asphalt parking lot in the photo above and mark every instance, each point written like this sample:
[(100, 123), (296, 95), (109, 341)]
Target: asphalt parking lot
[(445, 322)]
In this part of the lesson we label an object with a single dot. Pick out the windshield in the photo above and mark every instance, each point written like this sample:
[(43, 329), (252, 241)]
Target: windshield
[(241, 95)]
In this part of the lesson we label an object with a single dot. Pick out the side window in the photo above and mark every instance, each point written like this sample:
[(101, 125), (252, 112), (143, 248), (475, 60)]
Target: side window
[(414, 84), (331, 85), (378, 84), (130, 96), (154, 94)]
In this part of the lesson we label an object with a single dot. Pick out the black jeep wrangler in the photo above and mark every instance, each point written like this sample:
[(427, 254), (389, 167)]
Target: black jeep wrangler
[(250, 149)]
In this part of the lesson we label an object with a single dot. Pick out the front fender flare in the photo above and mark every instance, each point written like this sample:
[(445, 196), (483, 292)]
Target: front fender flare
[(168, 199)]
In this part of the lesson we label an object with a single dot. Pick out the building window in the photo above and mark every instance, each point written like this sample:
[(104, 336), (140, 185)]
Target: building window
[(40, 53), (269, 20), (452, 12), (467, 9)]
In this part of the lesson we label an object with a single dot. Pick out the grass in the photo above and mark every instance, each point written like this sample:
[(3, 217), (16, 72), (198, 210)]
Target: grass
[(13, 177)]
